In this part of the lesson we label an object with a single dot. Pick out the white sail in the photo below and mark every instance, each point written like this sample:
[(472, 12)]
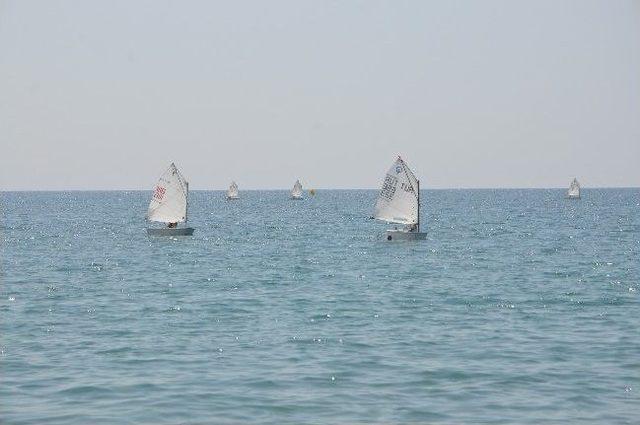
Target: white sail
[(296, 192), (169, 201), (398, 201), (232, 193), (574, 189)]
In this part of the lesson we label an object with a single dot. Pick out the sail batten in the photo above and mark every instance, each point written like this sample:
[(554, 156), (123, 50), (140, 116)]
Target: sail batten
[(398, 201), (169, 200)]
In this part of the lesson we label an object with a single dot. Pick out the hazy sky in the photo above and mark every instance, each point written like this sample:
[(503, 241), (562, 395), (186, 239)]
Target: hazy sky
[(105, 94)]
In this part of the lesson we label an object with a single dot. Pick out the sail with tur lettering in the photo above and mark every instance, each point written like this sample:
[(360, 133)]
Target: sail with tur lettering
[(398, 201), (169, 201)]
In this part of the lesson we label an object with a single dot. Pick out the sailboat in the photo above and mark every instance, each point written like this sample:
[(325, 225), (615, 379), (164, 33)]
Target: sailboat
[(574, 190), (399, 202), (169, 204), (296, 192), (232, 193)]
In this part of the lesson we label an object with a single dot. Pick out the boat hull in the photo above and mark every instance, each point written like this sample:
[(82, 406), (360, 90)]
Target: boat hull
[(297, 198), (402, 235), (177, 231), (232, 198)]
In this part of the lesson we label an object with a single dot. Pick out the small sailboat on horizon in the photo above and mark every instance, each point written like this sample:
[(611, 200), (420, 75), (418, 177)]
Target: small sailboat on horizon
[(574, 189), (296, 192), (169, 204), (232, 192), (399, 203)]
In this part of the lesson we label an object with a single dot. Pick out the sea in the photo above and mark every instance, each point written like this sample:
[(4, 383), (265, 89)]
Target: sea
[(520, 307)]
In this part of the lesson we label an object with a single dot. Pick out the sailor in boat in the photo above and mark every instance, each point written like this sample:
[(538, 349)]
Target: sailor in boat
[(172, 225), (407, 228)]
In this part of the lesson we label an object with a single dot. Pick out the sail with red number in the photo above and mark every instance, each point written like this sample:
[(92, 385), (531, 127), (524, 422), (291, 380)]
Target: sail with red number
[(169, 201)]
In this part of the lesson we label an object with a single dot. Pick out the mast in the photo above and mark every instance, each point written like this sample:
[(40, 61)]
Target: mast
[(418, 227), (186, 208), (405, 168)]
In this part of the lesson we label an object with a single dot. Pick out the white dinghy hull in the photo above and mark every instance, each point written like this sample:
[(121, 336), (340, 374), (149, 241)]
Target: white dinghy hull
[(178, 231), (403, 235)]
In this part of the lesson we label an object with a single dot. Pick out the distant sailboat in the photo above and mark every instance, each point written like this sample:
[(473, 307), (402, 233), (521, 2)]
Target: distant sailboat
[(574, 190), (232, 193), (399, 202), (169, 204), (296, 192)]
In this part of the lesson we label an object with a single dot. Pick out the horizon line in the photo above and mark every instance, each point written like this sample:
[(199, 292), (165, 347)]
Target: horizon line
[(316, 189)]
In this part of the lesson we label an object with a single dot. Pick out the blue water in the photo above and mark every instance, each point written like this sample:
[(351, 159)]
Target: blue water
[(520, 307)]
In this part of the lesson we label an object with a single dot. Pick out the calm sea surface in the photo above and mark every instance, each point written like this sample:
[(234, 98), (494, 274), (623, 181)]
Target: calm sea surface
[(520, 307)]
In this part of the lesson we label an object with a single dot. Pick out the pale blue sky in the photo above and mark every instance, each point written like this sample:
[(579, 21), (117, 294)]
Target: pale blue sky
[(105, 94)]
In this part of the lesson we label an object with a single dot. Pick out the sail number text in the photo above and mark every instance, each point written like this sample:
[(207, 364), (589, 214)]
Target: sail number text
[(406, 187), (159, 193), (389, 187)]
